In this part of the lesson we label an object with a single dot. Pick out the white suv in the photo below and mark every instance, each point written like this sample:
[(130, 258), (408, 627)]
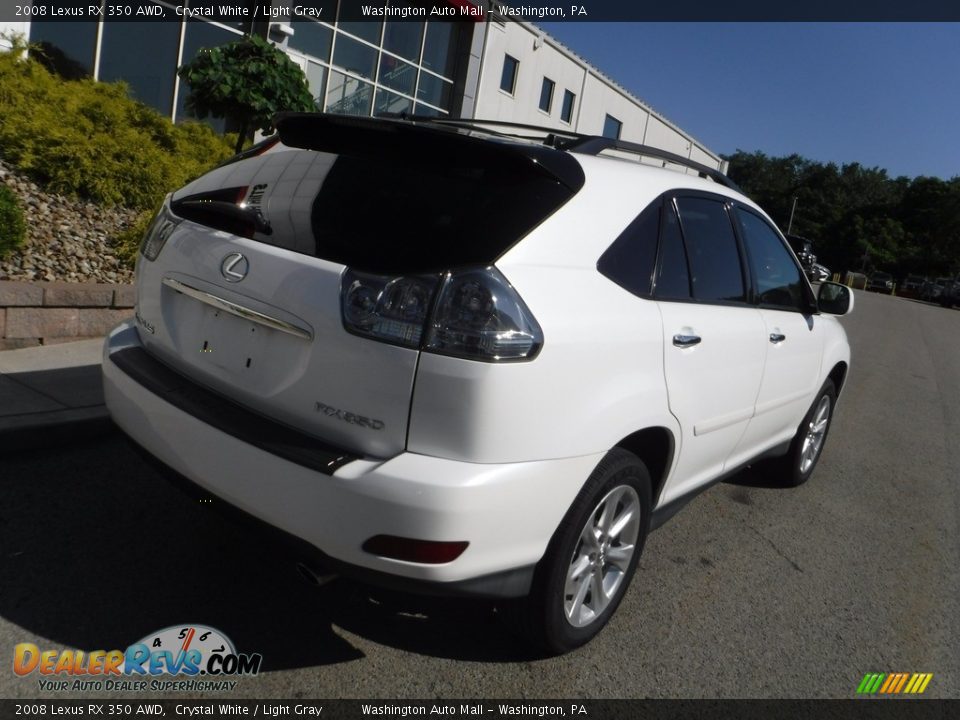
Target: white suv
[(451, 360)]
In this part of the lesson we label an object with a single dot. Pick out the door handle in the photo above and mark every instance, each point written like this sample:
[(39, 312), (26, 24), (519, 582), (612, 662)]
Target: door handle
[(777, 337), (685, 341)]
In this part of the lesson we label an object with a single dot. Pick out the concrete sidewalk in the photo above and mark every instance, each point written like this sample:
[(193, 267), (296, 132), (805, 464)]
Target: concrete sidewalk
[(51, 393)]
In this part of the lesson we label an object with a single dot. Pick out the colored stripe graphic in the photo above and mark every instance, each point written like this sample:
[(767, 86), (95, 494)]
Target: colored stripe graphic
[(894, 683)]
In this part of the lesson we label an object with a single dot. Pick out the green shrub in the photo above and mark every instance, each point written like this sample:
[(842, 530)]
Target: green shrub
[(127, 243), (91, 140), (13, 229)]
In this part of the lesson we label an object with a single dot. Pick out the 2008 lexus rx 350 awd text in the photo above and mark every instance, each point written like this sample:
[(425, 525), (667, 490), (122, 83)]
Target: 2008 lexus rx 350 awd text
[(452, 360)]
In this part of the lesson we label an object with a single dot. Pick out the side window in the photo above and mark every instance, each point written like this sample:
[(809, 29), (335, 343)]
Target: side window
[(630, 260), (673, 280), (715, 270), (779, 283)]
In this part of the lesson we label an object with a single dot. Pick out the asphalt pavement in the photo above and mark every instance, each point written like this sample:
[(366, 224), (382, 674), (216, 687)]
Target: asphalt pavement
[(750, 592)]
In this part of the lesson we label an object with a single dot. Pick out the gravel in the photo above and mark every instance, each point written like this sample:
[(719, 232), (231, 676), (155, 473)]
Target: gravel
[(67, 240)]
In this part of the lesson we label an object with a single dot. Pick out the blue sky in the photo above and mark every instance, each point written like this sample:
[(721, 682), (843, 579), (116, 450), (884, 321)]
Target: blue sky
[(882, 94)]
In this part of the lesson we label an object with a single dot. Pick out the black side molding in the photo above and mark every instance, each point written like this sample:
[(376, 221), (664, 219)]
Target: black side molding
[(663, 513), (228, 417)]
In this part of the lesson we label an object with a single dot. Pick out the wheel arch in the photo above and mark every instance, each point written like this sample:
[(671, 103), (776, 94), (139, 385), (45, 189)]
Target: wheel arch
[(838, 375), (656, 447)]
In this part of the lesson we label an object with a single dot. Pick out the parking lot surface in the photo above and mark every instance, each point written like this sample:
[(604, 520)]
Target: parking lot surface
[(751, 591)]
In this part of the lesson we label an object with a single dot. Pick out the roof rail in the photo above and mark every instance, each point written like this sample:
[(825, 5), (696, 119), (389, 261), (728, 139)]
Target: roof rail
[(594, 145)]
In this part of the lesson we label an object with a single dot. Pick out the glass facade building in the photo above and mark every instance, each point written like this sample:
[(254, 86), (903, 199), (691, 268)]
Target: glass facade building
[(379, 67), (357, 68)]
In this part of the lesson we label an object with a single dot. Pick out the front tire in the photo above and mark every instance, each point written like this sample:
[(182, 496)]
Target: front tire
[(796, 467), (591, 558)]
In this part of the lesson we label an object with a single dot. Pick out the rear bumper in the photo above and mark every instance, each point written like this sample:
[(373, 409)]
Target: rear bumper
[(506, 512)]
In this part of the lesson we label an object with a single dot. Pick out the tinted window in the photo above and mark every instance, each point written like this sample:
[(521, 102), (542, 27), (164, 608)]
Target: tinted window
[(317, 82), (403, 38), (408, 213), (435, 91), (546, 95), (397, 75), (673, 280), (312, 38), (356, 57), (509, 76), (630, 260), (779, 283), (347, 95), (67, 47), (712, 252), (369, 31), (144, 55), (612, 127), (388, 102), (439, 48), (566, 111)]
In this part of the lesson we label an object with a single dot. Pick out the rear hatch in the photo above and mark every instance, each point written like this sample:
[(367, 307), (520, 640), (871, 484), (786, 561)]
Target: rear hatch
[(245, 295)]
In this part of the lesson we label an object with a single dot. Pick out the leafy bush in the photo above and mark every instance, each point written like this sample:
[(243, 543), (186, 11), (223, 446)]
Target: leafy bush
[(248, 82), (127, 243), (91, 140), (12, 227)]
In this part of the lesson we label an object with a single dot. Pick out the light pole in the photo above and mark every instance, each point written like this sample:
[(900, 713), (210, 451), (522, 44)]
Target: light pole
[(792, 210)]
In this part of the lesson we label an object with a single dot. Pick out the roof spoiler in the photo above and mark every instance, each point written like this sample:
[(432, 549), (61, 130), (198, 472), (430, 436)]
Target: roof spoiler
[(418, 140)]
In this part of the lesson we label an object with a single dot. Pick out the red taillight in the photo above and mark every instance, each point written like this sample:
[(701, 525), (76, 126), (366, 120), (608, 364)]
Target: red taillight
[(426, 552), (472, 313)]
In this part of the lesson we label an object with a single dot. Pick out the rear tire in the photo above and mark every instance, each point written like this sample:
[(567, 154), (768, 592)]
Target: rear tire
[(796, 467), (591, 558)]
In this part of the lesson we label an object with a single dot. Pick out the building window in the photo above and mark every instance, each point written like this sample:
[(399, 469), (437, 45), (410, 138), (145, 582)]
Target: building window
[(355, 57), (440, 48), (348, 96), (566, 110), (546, 95), (312, 38), (67, 47), (612, 127), (144, 55), (403, 38), (434, 90), (508, 80)]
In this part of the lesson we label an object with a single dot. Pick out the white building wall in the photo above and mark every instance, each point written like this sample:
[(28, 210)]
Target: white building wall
[(540, 55)]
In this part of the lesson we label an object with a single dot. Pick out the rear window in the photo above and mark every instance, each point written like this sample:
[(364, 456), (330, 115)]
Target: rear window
[(397, 215)]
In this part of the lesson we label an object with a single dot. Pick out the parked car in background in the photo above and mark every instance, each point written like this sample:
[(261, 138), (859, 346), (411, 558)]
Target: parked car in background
[(910, 287), (931, 290), (444, 359), (803, 248), (819, 273), (880, 282), (950, 295)]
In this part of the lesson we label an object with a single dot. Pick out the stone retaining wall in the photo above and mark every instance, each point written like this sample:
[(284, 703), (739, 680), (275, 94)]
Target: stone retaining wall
[(45, 313)]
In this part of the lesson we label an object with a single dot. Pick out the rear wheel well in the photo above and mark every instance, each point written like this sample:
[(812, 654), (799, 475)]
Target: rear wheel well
[(838, 375), (655, 447)]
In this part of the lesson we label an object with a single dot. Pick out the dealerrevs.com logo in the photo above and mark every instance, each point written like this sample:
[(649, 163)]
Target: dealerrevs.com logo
[(199, 657)]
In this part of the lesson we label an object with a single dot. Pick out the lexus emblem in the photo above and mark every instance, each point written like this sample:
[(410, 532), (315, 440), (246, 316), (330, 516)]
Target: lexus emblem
[(234, 267)]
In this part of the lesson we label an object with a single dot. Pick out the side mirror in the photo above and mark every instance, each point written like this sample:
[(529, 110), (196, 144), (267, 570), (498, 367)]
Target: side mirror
[(834, 299)]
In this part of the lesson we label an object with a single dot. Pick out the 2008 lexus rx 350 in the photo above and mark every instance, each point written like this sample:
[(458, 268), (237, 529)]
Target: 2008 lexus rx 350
[(453, 360)]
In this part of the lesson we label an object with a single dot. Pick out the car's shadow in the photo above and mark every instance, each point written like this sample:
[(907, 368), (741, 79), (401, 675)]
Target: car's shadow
[(97, 551), (760, 475)]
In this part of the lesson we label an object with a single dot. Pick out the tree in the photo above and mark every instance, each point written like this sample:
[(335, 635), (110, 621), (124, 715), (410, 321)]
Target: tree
[(247, 82)]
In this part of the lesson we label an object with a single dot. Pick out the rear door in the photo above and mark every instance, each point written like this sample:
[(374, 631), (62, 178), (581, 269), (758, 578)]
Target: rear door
[(714, 344)]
